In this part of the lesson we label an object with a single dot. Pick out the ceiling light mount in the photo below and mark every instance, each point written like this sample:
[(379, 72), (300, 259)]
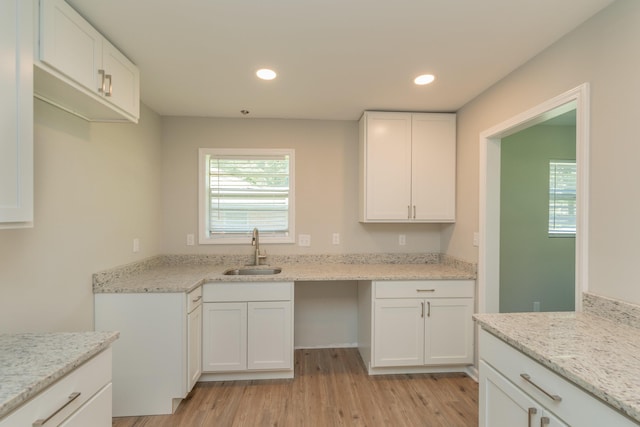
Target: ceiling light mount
[(266, 74), (424, 79)]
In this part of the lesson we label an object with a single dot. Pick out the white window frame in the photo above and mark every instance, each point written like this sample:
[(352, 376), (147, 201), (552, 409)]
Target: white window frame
[(203, 209), (556, 232)]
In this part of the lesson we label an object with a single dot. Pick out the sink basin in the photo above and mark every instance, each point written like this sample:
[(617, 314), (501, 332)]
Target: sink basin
[(252, 271)]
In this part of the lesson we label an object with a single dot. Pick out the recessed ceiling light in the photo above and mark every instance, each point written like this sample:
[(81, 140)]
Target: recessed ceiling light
[(266, 74), (424, 79)]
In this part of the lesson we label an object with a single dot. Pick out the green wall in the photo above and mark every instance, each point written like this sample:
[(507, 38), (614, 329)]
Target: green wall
[(533, 266)]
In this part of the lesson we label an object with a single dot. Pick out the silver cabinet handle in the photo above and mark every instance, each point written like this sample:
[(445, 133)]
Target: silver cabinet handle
[(422, 309), (101, 88), (414, 211), (428, 309), (110, 91), (43, 421), (425, 290), (197, 299), (544, 421), (408, 212), (553, 397), (532, 412)]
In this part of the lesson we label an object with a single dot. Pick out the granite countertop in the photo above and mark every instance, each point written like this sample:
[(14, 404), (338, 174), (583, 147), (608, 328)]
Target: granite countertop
[(184, 278), (600, 355), (29, 363)]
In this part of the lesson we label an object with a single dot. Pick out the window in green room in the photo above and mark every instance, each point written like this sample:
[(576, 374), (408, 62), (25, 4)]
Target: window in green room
[(243, 189), (562, 198)]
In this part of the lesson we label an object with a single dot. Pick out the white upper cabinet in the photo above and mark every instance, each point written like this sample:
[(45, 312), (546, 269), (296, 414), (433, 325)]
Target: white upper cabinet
[(16, 114), (81, 71), (407, 167)]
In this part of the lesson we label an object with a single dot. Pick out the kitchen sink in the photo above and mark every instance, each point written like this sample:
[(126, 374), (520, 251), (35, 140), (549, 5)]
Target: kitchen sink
[(252, 271)]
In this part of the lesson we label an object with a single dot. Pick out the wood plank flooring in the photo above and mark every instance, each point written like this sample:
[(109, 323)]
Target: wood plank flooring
[(331, 388)]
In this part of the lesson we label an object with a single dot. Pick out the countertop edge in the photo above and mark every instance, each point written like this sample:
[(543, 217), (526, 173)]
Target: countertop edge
[(14, 403), (577, 380)]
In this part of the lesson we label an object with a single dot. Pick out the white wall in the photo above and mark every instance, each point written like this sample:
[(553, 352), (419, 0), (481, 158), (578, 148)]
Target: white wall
[(96, 188), (326, 182), (603, 52)]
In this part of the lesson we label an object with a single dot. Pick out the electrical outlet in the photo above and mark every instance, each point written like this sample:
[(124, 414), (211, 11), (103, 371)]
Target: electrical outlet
[(136, 245), (191, 240), (402, 239), (536, 306), (476, 239), (336, 238), (304, 240)]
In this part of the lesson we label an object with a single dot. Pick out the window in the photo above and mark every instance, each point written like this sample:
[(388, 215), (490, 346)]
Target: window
[(562, 198), (243, 189)]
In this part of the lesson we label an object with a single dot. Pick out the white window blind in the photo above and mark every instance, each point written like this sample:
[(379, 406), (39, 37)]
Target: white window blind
[(562, 197), (247, 189)]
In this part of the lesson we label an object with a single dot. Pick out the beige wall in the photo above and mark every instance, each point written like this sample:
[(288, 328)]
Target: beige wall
[(326, 182), (603, 52), (96, 188)]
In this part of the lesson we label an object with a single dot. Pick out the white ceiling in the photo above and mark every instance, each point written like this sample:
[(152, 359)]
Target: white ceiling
[(334, 58)]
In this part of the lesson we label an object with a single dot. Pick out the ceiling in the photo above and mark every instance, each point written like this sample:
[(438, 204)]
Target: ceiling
[(334, 58)]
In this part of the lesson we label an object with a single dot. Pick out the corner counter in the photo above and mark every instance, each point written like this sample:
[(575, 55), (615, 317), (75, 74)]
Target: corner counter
[(31, 362), (596, 353)]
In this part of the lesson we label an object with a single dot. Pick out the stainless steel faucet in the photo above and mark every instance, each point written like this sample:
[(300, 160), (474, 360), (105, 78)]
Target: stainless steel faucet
[(255, 241)]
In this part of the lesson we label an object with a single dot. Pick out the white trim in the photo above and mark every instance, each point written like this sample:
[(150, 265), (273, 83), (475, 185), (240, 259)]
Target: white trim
[(203, 237), (489, 192)]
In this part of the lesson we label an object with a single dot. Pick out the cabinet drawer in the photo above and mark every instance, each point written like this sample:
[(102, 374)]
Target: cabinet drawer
[(87, 380), (424, 289), (254, 291), (194, 299), (576, 407)]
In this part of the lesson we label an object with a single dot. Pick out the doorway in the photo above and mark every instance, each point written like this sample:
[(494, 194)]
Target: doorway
[(490, 175), (537, 217)]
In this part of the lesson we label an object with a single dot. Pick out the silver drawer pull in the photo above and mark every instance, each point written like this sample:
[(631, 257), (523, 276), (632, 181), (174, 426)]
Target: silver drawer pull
[(43, 421), (425, 290), (531, 413), (553, 397), (544, 421), (197, 299)]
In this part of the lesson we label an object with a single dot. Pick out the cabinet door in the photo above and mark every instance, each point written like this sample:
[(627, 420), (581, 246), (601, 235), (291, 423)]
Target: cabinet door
[(123, 79), (387, 171), (270, 335), (16, 112), (70, 44), (502, 404), (449, 331), (398, 332), (224, 337), (433, 167), (194, 349)]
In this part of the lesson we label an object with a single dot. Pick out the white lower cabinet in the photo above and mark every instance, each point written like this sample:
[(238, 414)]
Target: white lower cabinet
[(247, 330), (194, 339), (81, 398), (409, 329), (505, 405), (156, 361), (515, 390)]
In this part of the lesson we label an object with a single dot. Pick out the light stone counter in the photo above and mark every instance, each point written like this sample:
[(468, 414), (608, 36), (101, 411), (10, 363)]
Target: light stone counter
[(600, 355), (171, 276), (29, 363)]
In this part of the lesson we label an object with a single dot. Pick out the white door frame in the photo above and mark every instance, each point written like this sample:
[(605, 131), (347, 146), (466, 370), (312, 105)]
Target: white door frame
[(489, 193)]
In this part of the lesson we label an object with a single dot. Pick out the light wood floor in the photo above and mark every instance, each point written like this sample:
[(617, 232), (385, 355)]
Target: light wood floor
[(331, 388)]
